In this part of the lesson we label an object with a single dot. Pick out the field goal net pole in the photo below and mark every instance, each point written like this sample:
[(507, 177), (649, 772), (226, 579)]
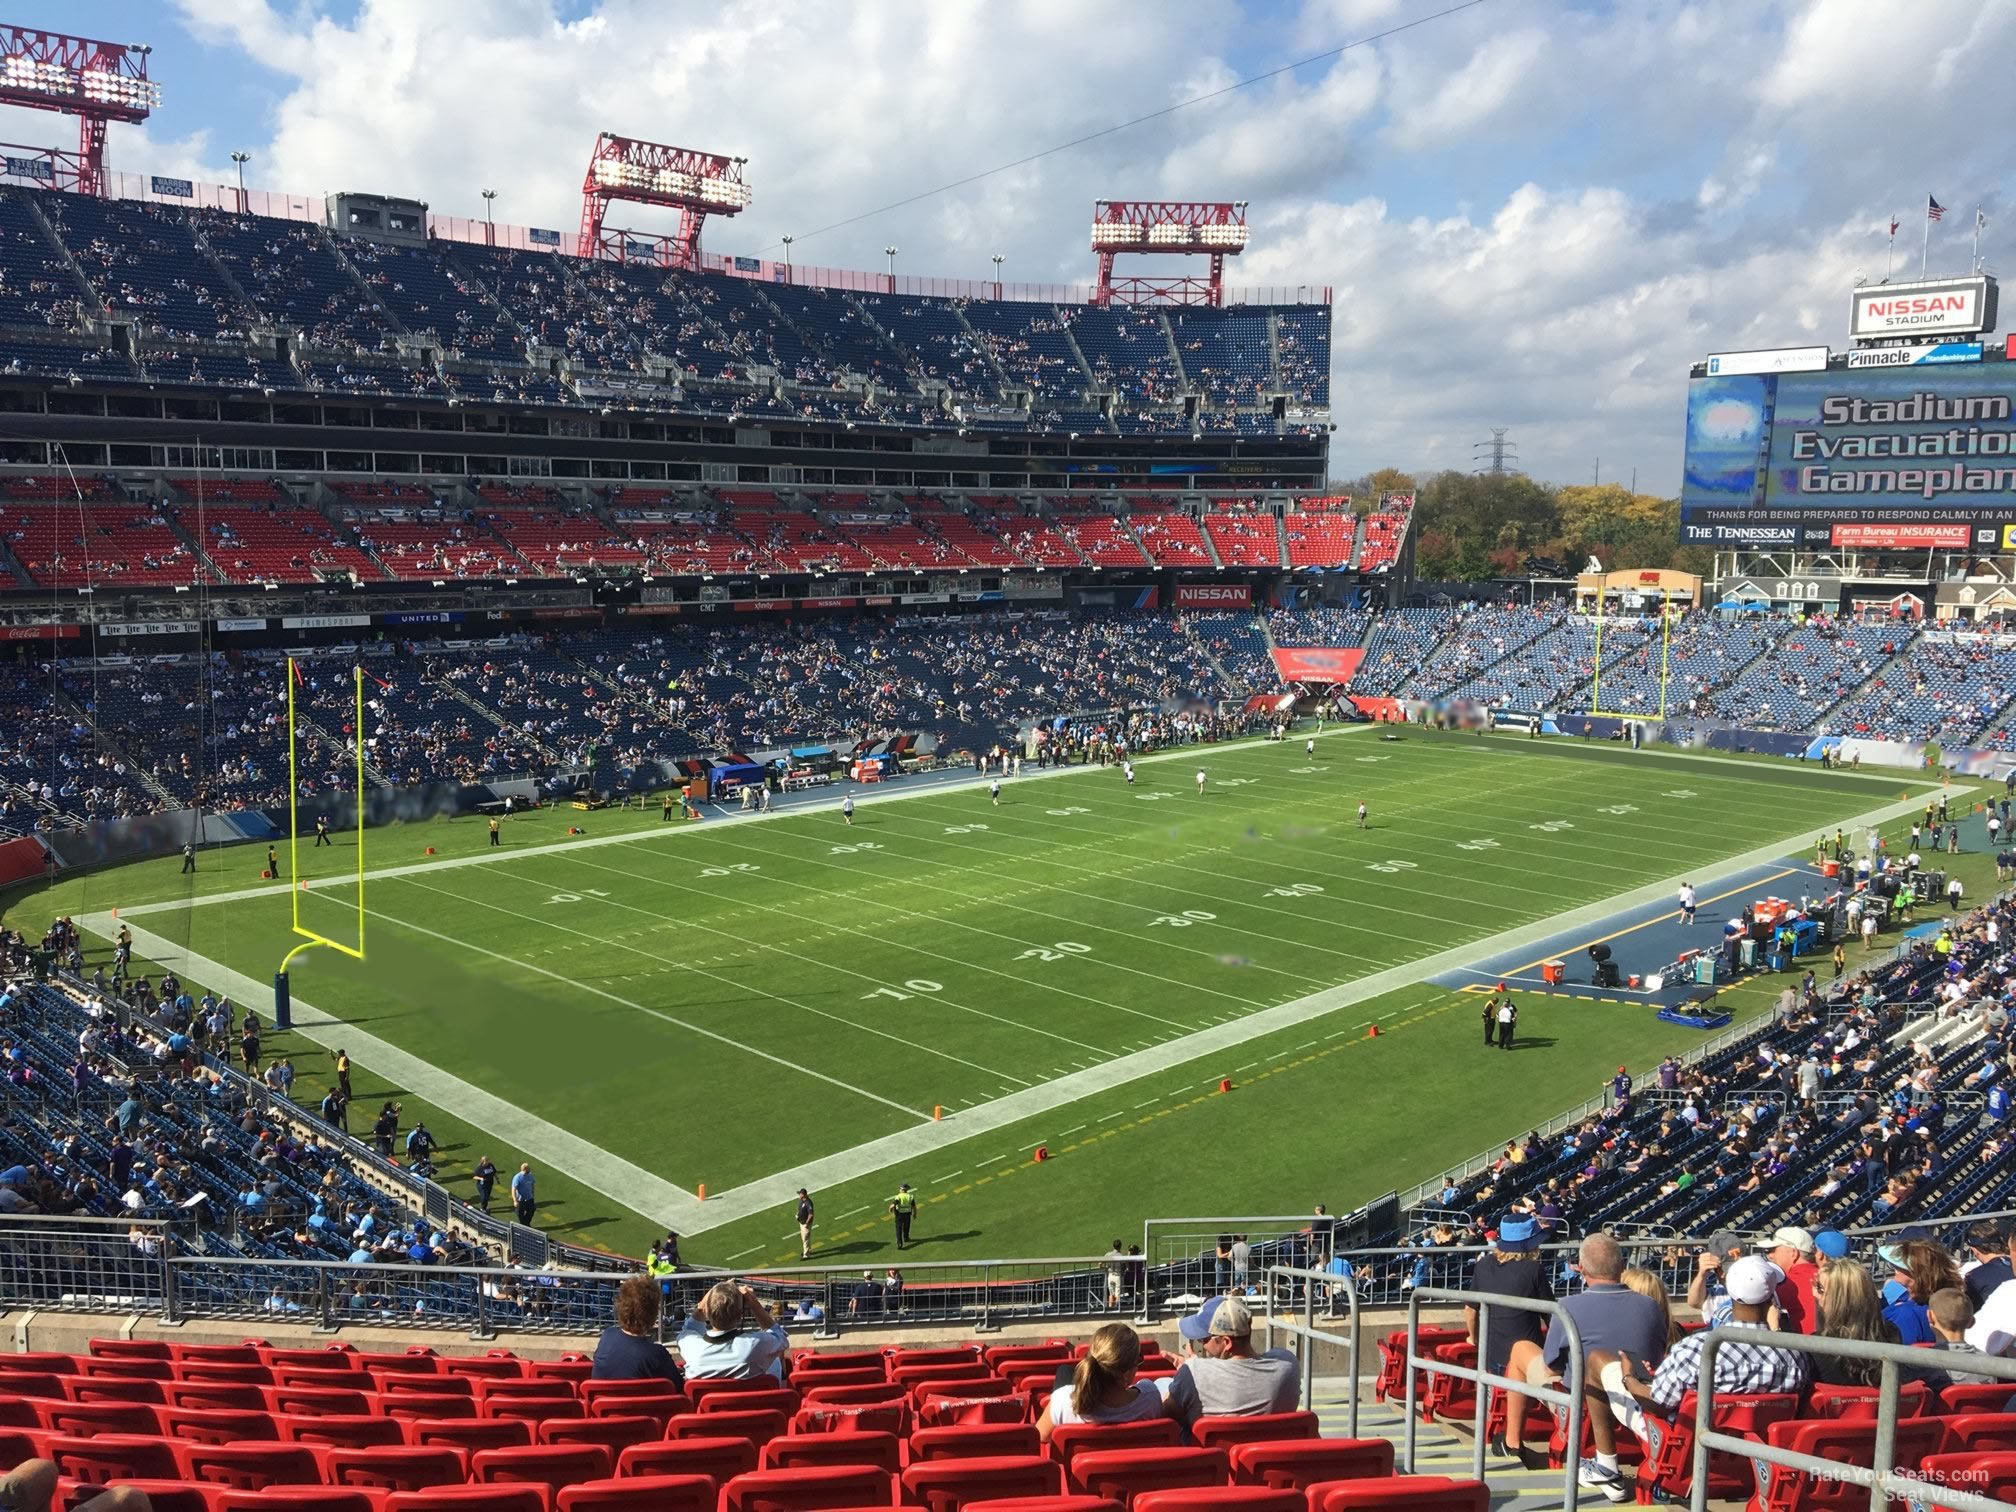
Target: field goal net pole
[(283, 1001), (1665, 658)]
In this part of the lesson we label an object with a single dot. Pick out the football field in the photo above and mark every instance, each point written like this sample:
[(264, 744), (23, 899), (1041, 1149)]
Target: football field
[(758, 1003)]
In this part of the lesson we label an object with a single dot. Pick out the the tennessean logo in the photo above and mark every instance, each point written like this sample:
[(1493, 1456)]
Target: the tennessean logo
[(1746, 535)]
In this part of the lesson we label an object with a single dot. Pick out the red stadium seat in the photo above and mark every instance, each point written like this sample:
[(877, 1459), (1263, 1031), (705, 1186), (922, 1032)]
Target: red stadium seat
[(126, 1368), (970, 1369), (1297, 1464), (641, 1493), (954, 1354), (83, 1388), (810, 1362), (546, 1389), (591, 1391), (1412, 1493), (1047, 1504), (531, 1409), (1124, 1474), (571, 1367), (719, 1459), (107, 1457), (227, 1375), (341, 1377), (470, 1499), (301, 1499), (408, 1405), (700, 1388), (1846, 1441), (954, 1411), (162, 1495), (416, 1361), (396, 1467), (1261, 1428), (949, 1484), (884, 1451), (818, 1380), (1668, 1466), (660, 1407), (780, 1399), (1979, 1397), (216, 1395), (86, 1418), (470, 1433), (1056, 1351), (809, 1489), (974, 1386), (308, 1400), (408, 1383), (893, 1418), (977, 1441), (757, 1427), (19, 1412), (1981, 1432), (491, 1367), (613, 1433), (135, 1349), (332, 1358), (36, 1383), (339, 1430), (1221, 1499), (1914, 1399), (823, 1395), (1067, 1440), (211, 1354), (250, 1466), (1989, 1475), (35, 1362), (542, 1464)]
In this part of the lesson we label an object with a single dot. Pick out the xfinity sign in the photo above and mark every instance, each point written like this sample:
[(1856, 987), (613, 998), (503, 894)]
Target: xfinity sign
[(1933, 307)]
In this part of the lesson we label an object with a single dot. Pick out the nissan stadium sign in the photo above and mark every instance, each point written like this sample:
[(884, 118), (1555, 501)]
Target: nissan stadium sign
[(1933, 307)]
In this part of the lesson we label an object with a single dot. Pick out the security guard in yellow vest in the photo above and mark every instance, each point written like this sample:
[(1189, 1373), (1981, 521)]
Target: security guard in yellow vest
[(903, 1208)]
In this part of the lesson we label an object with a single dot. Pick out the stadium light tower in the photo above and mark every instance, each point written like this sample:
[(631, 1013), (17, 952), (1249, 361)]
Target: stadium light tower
[(1217, 229), (696, 184), (97, 82)]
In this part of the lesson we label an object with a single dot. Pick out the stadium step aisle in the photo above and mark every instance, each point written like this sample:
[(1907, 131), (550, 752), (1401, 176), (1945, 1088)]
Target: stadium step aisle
[(1438, 1449)]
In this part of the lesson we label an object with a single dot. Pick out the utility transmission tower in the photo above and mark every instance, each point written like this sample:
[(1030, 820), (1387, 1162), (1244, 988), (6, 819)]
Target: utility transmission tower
[(1497, 457)]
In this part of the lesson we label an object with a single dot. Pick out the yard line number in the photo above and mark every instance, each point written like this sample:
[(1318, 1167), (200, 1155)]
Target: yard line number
[(910, 989), (848, 850), (1182, 920), (1062, 950), (592, 892), (1293, 890), (731, 869)]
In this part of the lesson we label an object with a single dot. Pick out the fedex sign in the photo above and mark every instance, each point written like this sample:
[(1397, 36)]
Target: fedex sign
[(1935, 307)]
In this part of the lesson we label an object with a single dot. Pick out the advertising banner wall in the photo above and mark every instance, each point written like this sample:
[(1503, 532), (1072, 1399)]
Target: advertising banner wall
[(1214, 595), (1318, 664)]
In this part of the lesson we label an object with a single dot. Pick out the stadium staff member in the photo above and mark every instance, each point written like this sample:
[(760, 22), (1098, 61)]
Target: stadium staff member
[(903, 1208), (1221, 1375)]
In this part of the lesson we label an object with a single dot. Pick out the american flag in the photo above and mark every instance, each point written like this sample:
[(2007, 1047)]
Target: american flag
[(1933, 209)]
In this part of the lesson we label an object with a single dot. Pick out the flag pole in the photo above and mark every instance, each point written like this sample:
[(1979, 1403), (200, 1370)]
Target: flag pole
[(1890, 257), (1925, 252), (1974, 264)]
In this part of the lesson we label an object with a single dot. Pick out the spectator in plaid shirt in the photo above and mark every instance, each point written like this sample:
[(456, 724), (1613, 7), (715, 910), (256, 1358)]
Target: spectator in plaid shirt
[(1619, 1394)]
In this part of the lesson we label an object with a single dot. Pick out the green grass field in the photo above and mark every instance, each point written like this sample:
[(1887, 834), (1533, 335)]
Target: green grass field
[(733, 1003)]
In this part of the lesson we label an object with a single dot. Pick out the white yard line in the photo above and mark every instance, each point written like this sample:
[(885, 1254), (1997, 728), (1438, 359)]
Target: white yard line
[(542, 1142)]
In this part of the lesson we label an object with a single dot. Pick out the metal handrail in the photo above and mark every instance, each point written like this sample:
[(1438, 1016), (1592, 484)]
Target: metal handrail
[(1569, 1400), (1306, 1334), (1880, 1478)]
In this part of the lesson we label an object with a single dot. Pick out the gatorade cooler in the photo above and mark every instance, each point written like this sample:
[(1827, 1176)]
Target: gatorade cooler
[(1632, 981), (1830, 868), (1554, 972)]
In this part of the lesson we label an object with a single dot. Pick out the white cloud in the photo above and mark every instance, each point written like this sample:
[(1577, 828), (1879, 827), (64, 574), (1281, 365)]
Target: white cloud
[(1530, 216)]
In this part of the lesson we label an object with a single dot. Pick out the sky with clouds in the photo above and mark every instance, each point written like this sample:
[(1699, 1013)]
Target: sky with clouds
[(1533, 213)]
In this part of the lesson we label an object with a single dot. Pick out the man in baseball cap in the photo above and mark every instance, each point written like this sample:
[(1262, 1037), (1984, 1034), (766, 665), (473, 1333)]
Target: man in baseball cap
[(1705, 1292), (1222, 1376), (1619, 1391), (1791, 1250)]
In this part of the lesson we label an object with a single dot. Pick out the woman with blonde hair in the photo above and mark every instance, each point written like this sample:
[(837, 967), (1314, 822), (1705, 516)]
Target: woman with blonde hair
[(1845, 1297), (1102, 1388), (1647, 1284)]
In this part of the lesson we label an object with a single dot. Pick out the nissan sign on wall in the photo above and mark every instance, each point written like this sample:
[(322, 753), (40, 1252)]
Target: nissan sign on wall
[(1213, 595), (1934, 307)]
